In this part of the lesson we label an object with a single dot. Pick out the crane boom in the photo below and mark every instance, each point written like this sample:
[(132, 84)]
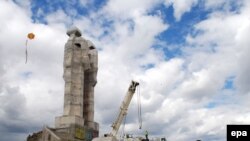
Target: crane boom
[(124, 108)]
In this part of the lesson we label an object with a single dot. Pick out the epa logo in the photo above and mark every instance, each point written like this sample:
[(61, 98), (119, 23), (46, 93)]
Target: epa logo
[(238, 132)]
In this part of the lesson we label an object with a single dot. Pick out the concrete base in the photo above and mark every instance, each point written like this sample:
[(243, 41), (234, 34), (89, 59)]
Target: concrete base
[(66, 121), (71, 133)]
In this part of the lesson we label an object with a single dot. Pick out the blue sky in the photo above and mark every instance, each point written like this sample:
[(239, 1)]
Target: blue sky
[(190, 58)]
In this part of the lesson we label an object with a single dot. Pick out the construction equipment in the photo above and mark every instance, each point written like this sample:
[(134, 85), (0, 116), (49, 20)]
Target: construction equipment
[(123, 112)]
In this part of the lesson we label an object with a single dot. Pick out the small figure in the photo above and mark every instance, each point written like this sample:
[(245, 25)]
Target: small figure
[(146, 134)]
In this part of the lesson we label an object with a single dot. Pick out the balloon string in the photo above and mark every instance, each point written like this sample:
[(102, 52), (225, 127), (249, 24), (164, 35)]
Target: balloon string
[(26, 51)]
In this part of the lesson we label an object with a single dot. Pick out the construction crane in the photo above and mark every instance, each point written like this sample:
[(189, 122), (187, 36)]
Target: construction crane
[(123, 112)]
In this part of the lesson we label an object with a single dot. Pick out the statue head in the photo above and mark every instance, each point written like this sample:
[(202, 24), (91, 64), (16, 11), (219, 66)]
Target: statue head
[(74, 31)]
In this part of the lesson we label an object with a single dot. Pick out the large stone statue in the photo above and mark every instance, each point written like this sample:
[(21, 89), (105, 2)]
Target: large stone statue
[(80, 71)]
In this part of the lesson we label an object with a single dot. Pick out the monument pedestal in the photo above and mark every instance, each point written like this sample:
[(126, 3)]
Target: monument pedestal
[(66, 121)]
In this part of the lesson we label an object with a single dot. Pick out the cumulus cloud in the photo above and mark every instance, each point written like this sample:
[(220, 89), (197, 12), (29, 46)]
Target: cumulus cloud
[(25, 88), (58, 17), (181, 7), (129, 8), (226, 42)]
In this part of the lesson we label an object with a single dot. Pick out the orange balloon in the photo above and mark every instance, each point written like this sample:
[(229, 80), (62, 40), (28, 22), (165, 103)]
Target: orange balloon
[(31, 36)]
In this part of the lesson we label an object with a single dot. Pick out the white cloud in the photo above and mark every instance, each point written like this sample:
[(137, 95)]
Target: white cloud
[(58, 17), (129, 8), (25, 4), (213, 55), (181, 7), (226, 35), (224, 5), (214, 3), (86, 3), (27, 96)]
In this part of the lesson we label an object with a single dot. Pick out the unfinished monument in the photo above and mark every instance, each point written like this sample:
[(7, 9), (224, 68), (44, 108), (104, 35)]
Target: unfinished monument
[(80, 71)]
